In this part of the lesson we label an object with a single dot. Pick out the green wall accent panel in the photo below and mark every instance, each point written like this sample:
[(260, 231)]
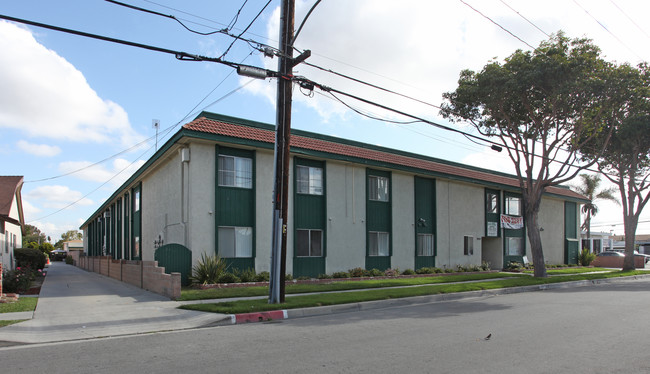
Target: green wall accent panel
[(241, 263), (425, 262), (378, 262), (425, 218), (175, 258), (308, 267)]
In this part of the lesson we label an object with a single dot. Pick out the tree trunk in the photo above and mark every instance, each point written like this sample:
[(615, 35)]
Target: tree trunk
[(631, 222), (531, 209)]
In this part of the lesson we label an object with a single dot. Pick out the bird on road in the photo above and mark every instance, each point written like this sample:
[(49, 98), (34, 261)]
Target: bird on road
[(488, 337)]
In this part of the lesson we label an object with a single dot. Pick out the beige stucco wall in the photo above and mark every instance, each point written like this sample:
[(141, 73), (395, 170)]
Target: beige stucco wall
[(403, 221), (551, 219), (7, 239), (162, 205), (346, 211), (460, 213)]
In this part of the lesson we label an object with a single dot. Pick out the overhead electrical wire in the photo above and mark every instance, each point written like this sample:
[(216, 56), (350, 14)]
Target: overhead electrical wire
[(608, 31), (526, 19), (246, 29), (233, 22), (630, 18)]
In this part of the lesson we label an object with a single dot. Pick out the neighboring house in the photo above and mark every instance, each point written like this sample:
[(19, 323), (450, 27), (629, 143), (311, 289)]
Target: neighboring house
[(74, 248), (209, 188), (598, 242), (641, 242), (12, 220)]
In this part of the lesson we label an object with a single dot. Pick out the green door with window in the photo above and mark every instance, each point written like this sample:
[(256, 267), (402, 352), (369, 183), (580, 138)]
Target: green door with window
[(425, 222), (379, 220), (514, 230), (309, 249), (571, 241)]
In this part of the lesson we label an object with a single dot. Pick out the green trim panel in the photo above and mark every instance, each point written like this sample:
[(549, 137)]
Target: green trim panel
[(379, 216), (425, 218)]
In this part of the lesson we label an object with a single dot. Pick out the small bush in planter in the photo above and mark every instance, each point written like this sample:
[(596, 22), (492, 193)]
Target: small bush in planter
[(209, 269), (229, 278), (263, 276), (586, 257), (358, 272), (424, 270), (69, 260), (408, 272), (376, 273), (246, 275), (391, 272), (341, 274), (324, 276)]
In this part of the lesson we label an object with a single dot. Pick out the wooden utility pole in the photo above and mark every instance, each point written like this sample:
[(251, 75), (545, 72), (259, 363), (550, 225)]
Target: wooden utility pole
[(281, 160)]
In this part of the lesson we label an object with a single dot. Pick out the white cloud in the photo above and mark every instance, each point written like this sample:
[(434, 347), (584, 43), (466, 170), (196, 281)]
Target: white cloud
[(44, 95), (117, 174), (418, 48), (38, 149), (55, 197)]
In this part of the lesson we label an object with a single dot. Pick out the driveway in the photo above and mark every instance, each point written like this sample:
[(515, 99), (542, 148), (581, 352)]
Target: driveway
[(76, 304)]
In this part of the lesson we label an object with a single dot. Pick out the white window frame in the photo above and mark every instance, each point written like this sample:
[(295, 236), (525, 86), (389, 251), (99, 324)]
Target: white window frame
[(313, 183), (492, 203), (311, 251), (378, 244), (510, 206), (425, 245), (241, 178), (519, 251), (378, 188), (468, 245), (242, 241)]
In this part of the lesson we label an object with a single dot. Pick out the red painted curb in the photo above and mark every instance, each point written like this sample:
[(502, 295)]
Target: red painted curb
[(261, 316)]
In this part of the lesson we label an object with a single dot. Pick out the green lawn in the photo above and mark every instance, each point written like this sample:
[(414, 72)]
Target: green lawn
[(220, 293), (570, 270), (10, 322), (246, 306), (24, 304)]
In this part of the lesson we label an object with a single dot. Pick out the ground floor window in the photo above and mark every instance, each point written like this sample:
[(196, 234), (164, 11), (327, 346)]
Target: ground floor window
[(378, 243), (468, 245), (309, 243), (425, 245), (515, 246), (235, 242)]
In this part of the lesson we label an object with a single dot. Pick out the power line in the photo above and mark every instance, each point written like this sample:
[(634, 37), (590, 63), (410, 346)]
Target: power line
[(526, 19), (236, 17), (630, 18), (606, 29), (246, 29), (497, 24)]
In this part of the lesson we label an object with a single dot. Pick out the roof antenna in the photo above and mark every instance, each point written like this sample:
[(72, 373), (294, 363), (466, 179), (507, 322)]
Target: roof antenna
[(156, 125)]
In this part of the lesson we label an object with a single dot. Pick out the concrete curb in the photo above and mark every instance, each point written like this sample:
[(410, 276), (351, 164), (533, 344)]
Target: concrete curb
[(234, 319)]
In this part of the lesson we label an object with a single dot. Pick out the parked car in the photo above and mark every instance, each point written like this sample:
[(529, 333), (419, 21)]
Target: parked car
[(610, 254), (647, 257)]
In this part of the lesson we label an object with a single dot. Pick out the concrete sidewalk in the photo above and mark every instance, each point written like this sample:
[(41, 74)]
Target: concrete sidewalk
[(76, 304)]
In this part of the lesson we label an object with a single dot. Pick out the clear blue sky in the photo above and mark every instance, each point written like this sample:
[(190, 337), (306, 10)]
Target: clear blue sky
[(68, 102)]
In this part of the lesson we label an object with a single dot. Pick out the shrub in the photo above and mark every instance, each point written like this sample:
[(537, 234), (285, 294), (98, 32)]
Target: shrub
[(424, 270), (586, 257), (69, 260), (358, 272), (263, 276), (391, 272), (408, 272), (341, 274), (288, 277), (17, 281), (324, 276), (246, 275), (375, 273), (485, 266), (209, 269), (513, 265), (448, 270), (303, 277), (30, 258), (229, 278)]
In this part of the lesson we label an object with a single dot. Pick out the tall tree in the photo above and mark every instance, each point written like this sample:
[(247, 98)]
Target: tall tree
[(589, 188), (535, 105), (33, 234), (68, 236), (626, 161)]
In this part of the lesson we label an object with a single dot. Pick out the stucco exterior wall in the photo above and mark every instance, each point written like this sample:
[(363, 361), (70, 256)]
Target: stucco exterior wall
[(162, 206), (403, 221), (7, 243), (551, 219), (200, 174), (346, 211), (460, 213)]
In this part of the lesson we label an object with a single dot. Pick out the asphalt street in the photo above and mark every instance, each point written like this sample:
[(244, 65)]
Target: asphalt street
[(595, 329)]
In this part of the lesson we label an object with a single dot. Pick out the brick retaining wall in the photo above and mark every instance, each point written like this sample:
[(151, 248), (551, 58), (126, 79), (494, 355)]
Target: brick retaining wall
[(143, 274)]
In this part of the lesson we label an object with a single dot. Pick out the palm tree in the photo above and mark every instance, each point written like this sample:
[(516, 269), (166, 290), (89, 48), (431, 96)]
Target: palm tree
[(589, 188)]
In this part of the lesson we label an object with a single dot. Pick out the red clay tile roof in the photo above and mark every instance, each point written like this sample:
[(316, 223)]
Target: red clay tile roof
[(212, 126)]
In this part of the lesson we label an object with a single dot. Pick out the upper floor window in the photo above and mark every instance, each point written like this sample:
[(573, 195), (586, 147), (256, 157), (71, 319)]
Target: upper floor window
[(513, 206), (377, 188), (235, 171), (492, 203), (309, 180)]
